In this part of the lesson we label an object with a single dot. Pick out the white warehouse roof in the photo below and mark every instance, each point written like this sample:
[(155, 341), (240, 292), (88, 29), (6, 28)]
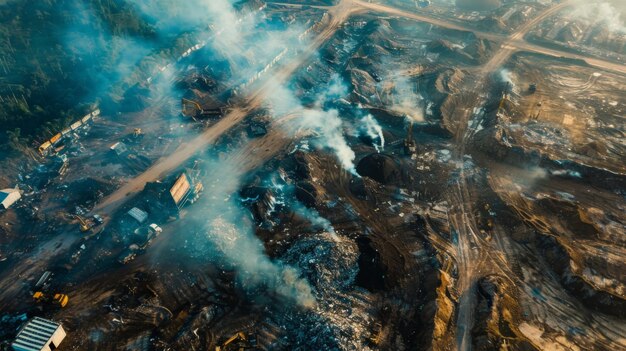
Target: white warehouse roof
[(9, 196), (39, 335), (138, 214)]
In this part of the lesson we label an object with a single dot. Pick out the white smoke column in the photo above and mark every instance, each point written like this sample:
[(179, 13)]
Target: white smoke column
[(599, 13), (231, 237), (254, 267), (505, 76), (326, 124), (372, 129), (224, 19), (283, 191), (406, 101), (230, 233), (313, 216), (329, 127)]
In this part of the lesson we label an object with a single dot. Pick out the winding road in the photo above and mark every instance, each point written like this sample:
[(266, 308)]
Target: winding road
[(338, 15), (257, 97), (461, 216)]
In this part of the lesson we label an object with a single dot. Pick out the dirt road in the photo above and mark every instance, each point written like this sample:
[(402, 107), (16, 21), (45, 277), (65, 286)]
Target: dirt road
[(338, 15), (473, 251), (510, 44), (263, 149)]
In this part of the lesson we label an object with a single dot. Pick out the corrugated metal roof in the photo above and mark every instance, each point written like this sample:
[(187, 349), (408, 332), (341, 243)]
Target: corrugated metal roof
[(35, 334), (138, 214)]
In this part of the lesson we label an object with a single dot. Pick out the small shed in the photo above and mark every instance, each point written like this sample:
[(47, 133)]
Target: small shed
[(9, 196), (39, 334), (138, 214)]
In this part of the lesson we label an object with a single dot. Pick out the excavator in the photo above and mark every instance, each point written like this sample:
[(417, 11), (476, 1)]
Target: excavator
[(237, 342), (83, 224), (58, 299)]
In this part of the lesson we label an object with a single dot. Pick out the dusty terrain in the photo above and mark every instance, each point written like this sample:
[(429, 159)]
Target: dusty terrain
[(502, 229)]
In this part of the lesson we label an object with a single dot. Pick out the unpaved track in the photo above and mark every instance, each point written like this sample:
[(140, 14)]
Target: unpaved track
[(171, 162), (511, 43), (462, 216), (263, 150), (338, 15)]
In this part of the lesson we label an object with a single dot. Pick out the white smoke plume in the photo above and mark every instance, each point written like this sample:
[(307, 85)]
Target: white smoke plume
[(406, 101), (314, 217), (229, 235), (370, 127), (599, 13), (229, 231), (329, 127), (325, 123), (285, 191), (245, 253), (505, 76)]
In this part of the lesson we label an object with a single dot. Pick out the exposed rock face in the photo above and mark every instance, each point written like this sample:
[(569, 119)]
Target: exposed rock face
[(448, 81), (494, 326)]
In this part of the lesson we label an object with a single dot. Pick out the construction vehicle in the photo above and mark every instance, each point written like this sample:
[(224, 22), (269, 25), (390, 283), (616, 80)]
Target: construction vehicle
[(58, 299), (409, 143), (83, 224), (137, 132), (194, 110), (237, 342), (98, 219)]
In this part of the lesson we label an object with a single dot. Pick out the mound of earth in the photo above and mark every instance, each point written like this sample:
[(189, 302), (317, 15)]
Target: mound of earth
[(448, 50), (492, 23), (380, 167)]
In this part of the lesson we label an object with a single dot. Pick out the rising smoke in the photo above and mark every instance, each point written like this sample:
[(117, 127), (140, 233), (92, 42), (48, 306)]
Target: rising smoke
[(373, 130), (325, 123), (505, 76), (599, 13), (229, 232), (227, 235), (406, 101)]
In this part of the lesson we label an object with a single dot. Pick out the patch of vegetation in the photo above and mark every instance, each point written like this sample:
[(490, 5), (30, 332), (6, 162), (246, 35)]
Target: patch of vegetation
[(53, 56)]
